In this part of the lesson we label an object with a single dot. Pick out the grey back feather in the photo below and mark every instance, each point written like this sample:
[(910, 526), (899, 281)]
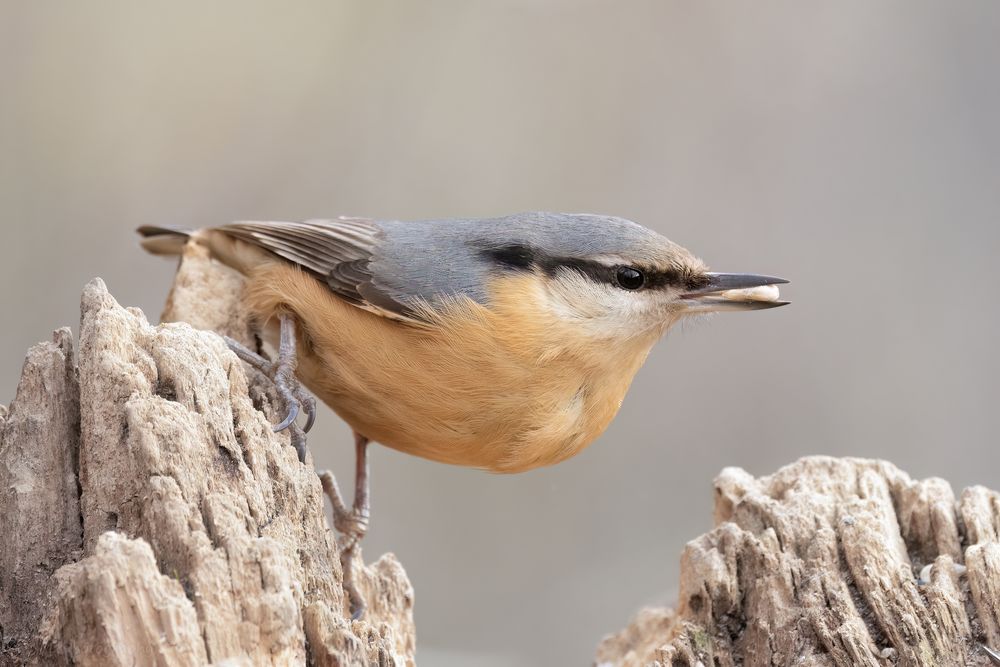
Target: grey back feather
[(393, 266)]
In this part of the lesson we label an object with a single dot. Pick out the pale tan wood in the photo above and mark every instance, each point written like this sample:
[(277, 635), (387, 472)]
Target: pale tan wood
[(149, 515), (820, 564)]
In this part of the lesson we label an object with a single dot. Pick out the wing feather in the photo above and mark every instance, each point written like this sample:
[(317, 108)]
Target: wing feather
[(339, 252)]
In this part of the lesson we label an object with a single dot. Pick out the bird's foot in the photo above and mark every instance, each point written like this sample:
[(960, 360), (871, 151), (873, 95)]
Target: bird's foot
[(352, 524), (282, 373)]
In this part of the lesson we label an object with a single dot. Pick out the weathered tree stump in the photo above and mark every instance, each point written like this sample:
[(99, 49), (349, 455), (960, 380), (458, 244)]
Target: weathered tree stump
[(150, 516), (830, 562)]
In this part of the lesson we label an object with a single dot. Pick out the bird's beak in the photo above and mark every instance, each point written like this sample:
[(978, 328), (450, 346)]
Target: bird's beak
[(734, 291)]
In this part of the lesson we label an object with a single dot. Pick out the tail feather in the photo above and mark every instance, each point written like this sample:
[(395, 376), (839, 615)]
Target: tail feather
[(163, 240)]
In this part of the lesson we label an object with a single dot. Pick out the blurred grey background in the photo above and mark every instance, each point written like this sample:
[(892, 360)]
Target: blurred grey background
[(853, 147)]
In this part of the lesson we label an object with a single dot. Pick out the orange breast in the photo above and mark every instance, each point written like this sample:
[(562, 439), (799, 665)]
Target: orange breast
[(507, 388)]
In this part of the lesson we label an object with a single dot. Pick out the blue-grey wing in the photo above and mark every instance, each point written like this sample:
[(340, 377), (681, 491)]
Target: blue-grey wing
[(389, 268)]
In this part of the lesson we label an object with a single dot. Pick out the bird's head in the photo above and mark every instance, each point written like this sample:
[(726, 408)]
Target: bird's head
[(613, 279)]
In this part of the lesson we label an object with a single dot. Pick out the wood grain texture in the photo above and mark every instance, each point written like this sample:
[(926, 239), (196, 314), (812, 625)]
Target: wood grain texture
[(820, 564), (150, 515)]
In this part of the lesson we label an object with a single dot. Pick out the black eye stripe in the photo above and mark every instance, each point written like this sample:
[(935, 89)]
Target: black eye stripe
[(512, 256), (603, 273), (521, 257)]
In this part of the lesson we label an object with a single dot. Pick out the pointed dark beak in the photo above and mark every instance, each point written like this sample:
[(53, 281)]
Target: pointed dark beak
[(735, 291)]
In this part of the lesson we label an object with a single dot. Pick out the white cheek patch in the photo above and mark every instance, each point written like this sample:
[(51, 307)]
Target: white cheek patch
[(603, 311)]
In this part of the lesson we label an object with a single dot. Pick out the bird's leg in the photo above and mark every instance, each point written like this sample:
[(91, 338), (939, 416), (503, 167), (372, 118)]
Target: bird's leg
[(352, 524), (282, 373), (994, 656)]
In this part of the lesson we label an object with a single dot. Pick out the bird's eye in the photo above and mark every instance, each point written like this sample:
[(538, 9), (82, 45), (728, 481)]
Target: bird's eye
[(629, 278)]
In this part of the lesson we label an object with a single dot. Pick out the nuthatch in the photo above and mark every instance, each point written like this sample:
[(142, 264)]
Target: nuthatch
[(503, 343)]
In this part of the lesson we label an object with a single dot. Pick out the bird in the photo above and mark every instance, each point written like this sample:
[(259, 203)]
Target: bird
[(504, 343)]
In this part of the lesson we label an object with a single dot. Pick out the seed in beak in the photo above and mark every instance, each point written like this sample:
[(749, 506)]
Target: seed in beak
[(762, 293)]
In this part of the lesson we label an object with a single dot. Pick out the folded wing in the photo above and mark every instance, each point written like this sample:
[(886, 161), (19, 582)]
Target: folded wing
[(339, 252)]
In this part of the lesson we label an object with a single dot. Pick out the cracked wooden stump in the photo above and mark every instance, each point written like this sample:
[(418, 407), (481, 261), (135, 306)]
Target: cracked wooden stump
[(150, 516), (830, 562)]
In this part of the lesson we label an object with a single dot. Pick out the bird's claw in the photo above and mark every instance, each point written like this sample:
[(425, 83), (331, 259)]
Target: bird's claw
[(352, 527), (298, 438), (282, 373), (293, 413), (309, 405), (296, 398), (352, 524)]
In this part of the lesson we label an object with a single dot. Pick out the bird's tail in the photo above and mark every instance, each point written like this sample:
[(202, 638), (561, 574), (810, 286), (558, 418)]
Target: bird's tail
[(164, 240)]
